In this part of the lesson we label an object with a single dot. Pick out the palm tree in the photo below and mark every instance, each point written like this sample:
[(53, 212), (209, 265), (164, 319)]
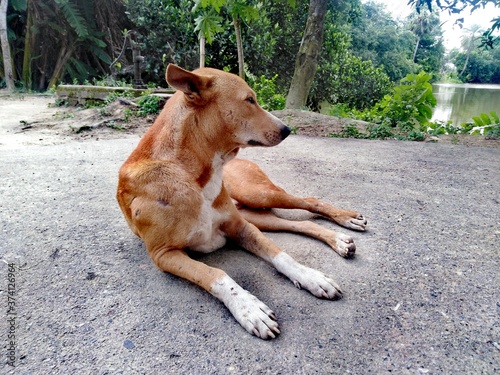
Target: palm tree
[(469, 40)]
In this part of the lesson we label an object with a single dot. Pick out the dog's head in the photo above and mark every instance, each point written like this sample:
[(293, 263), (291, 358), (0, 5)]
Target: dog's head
[(229, 106)]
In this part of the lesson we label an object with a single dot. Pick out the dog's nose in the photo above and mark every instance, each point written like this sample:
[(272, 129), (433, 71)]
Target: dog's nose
[(285, 132)]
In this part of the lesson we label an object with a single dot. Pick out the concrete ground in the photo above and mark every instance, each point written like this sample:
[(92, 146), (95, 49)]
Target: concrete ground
[(421, 296)]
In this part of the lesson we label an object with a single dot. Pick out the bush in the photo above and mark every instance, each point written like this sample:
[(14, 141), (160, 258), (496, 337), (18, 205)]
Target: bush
[(148, 105), (345, 78), (265, 89), (409, 107)]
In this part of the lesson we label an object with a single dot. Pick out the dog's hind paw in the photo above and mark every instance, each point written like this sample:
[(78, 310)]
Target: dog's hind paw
[(356, 223), (250, 312), (345, 246)]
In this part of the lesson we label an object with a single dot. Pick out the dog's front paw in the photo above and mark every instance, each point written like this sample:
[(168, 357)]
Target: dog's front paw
[(250, 312), (307, 278), (254, 315), (318, 284)]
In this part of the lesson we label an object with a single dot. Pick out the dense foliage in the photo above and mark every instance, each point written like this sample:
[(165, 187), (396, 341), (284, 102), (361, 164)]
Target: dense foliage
[(482, 65), (365, 54), (166, 32), (403, 113), (60, 40), (345, 78), (378, 38)]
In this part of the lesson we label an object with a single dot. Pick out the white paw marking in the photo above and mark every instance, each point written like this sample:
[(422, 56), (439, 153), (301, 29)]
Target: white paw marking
[(345, 245), (304, 277), (358, 223), (252, 314)]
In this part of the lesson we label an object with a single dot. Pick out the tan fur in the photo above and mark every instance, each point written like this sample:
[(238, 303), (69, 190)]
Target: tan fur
[(175, 196)]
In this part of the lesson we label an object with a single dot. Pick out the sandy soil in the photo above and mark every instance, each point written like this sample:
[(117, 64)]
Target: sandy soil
[(35, 120)]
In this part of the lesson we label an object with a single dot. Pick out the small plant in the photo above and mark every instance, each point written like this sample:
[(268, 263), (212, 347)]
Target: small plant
[(442, 127), (148, 105), (127, 114), (380, 131), (485, 125), (115, 95), (414, 135), (349, 131), (60, 103), (104, 111)]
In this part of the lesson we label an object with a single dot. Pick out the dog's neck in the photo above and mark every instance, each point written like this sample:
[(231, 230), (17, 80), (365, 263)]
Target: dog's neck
[(181, 136)]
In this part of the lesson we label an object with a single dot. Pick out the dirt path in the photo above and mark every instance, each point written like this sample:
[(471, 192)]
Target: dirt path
[(17, 113)]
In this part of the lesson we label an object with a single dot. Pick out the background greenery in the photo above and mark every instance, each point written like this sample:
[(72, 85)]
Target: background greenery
[(366, 57)]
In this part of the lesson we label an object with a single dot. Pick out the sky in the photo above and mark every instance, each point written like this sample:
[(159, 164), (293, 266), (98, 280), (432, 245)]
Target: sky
[(400, 9)]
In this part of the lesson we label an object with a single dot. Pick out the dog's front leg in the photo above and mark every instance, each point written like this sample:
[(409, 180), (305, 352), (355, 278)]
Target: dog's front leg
[(304, 277), (251, 313)]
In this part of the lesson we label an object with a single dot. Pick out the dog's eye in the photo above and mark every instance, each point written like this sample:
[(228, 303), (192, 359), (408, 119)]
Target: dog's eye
[(251, 100)]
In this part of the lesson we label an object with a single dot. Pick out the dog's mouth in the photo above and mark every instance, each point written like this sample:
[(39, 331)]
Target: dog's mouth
[(272, 138), (255, 143)]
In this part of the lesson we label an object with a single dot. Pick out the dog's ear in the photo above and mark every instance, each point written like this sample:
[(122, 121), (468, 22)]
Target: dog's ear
[(189, 83)]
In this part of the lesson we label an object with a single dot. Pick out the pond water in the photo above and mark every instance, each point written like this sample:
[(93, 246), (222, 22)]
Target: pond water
[(459, 102)]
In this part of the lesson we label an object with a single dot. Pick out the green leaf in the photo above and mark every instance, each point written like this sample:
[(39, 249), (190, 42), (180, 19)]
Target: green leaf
[(19, 5), (73, 16), (494, 116), (486, 119), (477, 121), (208, 24), (216, 4), (425, 110), (100, 54)]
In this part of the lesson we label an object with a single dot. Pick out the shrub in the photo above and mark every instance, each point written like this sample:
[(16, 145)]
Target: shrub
[(265, 89), (148, 105), (409, 107)]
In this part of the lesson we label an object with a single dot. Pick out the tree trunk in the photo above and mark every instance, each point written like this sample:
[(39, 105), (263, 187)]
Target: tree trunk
[(419, 37), (7, 61), (64, 55), (26, 73), (239, 46), (306, 62), (469, 49), (416, 49), (202, 51)]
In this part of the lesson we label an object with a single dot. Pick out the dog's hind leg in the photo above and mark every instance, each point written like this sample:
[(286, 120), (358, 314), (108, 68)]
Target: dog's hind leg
[(250, 186), (253, 240), (266, 220)]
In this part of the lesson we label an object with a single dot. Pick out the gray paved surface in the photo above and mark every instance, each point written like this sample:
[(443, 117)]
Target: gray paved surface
[(421, 295)]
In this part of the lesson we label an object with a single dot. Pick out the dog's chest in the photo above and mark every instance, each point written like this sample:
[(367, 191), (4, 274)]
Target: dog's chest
[(206, 235)]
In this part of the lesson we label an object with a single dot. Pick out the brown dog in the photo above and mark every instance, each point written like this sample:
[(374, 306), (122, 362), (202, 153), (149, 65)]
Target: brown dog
[(175, 191)]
